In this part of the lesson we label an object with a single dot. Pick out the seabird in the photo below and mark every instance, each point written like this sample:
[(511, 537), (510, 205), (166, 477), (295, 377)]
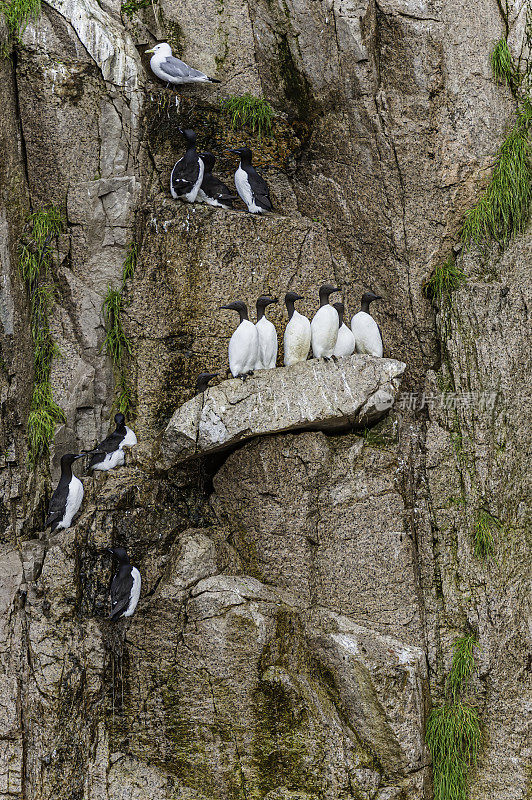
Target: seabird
[(345, 343), (202, 381), (267, 356), (297, 333), (244, 343), (110, 452), (66, 500), (187, 173), (125, 586), (324, 325), (172, 70), (368, 338), (251, 186), (212, 190)]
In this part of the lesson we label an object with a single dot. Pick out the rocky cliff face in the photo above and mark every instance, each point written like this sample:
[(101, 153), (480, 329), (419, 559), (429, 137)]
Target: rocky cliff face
[(302, 593)]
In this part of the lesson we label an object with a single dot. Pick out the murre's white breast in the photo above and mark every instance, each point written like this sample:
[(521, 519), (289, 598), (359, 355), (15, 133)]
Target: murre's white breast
[(345, 343), (324, 331), (135, 593), (267, 344), (243, 348), (73, 503), (296, 339), (129, 440), (367, 335)]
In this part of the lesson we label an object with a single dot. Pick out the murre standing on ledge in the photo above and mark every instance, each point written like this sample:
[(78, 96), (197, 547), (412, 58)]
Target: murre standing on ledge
[(267, 356), (244, 343), (324, 325), (202, 381), (345, 343), (125, 586), (251, 186), (172, 70), (368, 338), (110, 452), (187, 174), (297, 332), (66, 500), (212, 190)]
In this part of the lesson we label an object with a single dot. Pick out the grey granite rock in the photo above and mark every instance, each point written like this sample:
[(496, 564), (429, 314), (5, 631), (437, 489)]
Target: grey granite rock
[(312, 395)]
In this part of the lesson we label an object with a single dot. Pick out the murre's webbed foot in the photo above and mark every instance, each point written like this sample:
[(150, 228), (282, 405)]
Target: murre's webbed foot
[(250, 373), (334, 358)]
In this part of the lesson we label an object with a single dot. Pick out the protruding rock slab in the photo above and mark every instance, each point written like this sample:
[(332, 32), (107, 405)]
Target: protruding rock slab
[(313, 395)]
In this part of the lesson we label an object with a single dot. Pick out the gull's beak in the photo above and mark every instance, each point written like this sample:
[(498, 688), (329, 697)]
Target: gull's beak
[(150, 51)]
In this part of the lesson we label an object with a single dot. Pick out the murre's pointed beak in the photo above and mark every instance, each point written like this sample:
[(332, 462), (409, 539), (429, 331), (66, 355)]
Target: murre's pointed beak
[(79, 456), (227, 307), (335, 290)]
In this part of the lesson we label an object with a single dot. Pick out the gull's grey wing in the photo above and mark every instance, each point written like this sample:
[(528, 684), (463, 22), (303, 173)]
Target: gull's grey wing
[(175, 68)]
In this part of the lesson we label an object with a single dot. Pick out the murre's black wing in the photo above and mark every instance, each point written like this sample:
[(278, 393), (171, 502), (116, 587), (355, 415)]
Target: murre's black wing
[(184, 175), (56, 509), (121, 591), (217, 190), (109, 445), (260, 189)]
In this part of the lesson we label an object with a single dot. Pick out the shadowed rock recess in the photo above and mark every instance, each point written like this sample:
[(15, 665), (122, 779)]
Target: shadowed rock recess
[(307, 573)]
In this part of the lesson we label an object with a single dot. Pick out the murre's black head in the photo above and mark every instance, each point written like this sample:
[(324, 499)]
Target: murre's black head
[(208, 161), (244, 153), (120, 420), (203, 381), (190, 136), (325, 291), (119, 553), (289, 299), (238, 306), (262, 303), (341, 310), (368, 298), (68, 459)]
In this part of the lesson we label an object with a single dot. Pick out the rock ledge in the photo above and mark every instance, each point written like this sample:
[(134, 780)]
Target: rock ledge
[(313, 395)]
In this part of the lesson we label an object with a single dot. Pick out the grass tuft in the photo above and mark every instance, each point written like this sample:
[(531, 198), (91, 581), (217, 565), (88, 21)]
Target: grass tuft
[(453, 736), (485, 524), (116, 343), (17, 14), (503, 209), (502, 65), (462, 665), (44, 415), (130, 262), (34, 262), (124, 399), (445, 280), (255, 112)]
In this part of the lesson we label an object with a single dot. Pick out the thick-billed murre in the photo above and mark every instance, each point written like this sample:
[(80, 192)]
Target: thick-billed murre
[(268, 345), (110, 452), (324, 325), (244, 343), (125, 586), (67, 497), (212, 190), (345, 343), (297, 333), (368, 338), (251, 186), (187, 174)]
